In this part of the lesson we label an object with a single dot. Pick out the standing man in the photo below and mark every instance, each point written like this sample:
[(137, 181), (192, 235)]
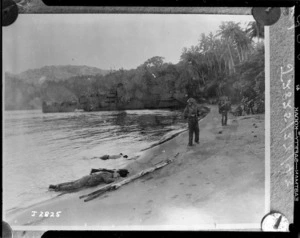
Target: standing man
[(251, 105), (224, 107), (245, 105), (191, 112)]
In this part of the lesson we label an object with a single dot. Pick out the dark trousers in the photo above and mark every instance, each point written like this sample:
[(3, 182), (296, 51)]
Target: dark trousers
[(251, 110), (79, 183), (193, 128), (224, 118)]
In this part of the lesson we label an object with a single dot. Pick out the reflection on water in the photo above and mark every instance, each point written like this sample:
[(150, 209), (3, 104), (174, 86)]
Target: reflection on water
[(41, 149), (147, 123)]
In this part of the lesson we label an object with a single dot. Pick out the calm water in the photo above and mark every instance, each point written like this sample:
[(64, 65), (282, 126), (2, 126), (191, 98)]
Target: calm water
[(41, 149)]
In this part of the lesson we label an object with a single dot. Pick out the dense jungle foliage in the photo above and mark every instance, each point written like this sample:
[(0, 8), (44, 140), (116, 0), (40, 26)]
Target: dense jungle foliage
[(230, 62)]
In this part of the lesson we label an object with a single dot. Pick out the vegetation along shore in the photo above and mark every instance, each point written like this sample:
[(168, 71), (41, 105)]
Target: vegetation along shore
[(230, 62)]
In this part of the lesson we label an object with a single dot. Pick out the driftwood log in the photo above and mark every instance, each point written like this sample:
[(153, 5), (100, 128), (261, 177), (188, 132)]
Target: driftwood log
[(116, 185), (165, 140), (174, 135)]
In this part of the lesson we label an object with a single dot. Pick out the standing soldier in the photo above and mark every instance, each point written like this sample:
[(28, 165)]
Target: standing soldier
[(191, 112), (224, 107), (251, 105), (245, 102)]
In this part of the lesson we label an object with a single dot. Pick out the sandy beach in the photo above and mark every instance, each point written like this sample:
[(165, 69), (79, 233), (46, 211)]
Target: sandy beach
[(219, 181)]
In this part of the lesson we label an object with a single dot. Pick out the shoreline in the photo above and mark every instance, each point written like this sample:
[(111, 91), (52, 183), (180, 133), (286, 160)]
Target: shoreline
[(177, 133), (140, 130), (166, 137), (148, 201)]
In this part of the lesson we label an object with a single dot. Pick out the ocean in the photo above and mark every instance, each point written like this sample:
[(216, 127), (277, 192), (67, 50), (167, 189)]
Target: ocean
[(41, 149)]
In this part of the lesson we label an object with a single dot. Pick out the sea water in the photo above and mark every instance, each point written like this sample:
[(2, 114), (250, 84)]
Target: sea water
[(49, 148)]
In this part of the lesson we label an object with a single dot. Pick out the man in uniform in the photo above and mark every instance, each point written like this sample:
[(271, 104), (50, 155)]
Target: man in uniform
[(224, 107), (251, 105), (191, 112), (91, 180)]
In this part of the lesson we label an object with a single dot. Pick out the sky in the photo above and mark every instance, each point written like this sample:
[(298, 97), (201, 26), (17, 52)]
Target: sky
[(106, 41)]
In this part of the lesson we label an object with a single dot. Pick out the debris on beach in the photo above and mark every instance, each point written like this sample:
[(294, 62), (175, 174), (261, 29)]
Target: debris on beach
[(166, 138)]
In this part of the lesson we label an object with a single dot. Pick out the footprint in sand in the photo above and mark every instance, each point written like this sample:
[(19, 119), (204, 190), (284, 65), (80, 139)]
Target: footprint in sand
[(146, 179), (105, 196), (163, 181), (199, 200), (188, 195), (148, 213)]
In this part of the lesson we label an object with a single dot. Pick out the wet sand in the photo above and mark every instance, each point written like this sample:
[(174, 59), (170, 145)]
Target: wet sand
[(210, 185)]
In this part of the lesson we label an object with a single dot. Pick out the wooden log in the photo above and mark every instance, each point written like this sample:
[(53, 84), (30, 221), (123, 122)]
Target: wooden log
[(116, 185), (165, 140)]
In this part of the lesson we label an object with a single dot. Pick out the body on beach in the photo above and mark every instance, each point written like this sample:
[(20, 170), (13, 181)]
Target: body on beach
[(106, 157), (59, 147), (144, 85), (159, 198), (91, 180)]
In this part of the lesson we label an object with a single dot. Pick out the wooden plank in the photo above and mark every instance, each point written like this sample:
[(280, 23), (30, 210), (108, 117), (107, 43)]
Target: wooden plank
[(165, 140)]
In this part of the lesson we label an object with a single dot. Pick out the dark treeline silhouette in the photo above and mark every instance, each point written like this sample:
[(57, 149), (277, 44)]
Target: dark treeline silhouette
[(228, 63)]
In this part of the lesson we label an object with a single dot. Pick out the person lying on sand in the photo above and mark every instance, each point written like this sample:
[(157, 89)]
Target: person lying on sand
[(107, 170), (91, 180), (106, 157)]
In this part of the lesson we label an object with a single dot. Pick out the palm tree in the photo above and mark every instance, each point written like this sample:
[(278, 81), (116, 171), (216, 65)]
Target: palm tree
[(237, 41), (255, 30)]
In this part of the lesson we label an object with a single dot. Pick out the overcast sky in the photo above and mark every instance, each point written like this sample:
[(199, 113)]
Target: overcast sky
[(106, 41)]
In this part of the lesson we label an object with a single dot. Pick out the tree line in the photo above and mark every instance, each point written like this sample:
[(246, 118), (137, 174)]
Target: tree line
[(228, 63)]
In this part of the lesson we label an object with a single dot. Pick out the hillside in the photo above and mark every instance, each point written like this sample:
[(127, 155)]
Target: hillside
[(28, 89), (57, 73), (228, 64)]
